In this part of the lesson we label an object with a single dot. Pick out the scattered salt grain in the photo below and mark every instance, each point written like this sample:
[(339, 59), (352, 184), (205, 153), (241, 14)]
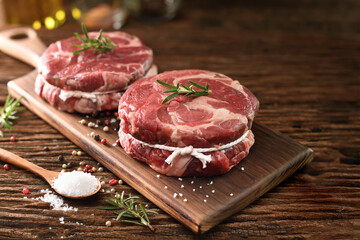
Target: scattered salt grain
[(114, 144), (146, 205), (180, 194), (231, 194), (211, 182), (185, 200), (213, 191), (193, 189), (56, 202), (61, 220), (205, 200), (200, 187), (175, 195), (158, 176), (180, 179), (50, 228), (207, 196), (107, 191), (113, 120), (166, 187), (182, 186), (192, 182), (242, 168), (25, 197), (75, 184)]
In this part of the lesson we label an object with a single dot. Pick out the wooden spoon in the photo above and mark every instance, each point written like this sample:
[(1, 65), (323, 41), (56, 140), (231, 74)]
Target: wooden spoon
[(49, 176)]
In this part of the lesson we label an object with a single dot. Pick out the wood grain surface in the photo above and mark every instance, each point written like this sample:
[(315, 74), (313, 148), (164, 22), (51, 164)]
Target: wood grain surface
[(300, 58), (205, 201)]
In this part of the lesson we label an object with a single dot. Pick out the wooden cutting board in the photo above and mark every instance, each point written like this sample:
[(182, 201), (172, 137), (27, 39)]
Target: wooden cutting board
[(273, 158)]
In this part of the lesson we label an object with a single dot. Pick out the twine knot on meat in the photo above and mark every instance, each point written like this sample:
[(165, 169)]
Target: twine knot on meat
[(190, 150)]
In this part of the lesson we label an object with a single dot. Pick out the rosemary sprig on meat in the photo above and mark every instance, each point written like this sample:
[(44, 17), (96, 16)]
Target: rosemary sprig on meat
[(100, 44), (185, 89), (132, 210), (7, 113)]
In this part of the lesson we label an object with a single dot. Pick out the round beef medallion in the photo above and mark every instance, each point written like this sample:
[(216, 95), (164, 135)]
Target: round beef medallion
[(93, 72), (189, 135)]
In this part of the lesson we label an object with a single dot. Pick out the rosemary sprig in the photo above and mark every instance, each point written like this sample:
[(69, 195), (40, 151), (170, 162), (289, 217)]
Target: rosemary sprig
[(7, 113), (132, 210), (186, 90), (100, 44)]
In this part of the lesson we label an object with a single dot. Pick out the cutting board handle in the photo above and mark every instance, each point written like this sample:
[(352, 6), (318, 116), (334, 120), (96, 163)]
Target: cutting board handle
[(23, 44)]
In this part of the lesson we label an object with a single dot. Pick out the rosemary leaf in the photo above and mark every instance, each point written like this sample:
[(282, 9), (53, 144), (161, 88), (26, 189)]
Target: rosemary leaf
[(134, 222), (100, 44), (198, 85), (185, 89), (8, 112), (131, 210), (171, 96), (167, 84)]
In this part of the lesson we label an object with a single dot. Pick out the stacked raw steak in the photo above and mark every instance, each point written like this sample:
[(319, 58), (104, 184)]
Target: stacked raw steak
[(215, 127), (89, 82)]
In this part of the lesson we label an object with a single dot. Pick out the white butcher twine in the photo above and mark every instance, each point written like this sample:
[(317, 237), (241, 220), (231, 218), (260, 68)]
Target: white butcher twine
[(195, 152)]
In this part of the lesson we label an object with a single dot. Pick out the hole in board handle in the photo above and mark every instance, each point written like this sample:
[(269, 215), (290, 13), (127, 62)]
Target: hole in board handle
[(19, 36)]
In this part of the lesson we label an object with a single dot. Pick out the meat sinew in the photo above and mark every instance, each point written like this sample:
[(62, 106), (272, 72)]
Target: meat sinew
[(214, 121)]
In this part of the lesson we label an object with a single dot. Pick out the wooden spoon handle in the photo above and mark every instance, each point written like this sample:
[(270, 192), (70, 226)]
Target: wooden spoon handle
[(11, 158), (23, 44)]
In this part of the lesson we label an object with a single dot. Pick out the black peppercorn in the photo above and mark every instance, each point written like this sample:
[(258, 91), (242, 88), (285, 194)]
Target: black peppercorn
[(46, 149), (97, 137), (61, 158)]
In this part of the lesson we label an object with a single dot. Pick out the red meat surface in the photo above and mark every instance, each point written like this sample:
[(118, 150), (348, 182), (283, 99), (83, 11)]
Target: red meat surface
[(202, 122), (89, 72)]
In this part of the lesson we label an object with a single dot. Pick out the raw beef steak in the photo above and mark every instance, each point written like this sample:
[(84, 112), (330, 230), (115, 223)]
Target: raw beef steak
[(89, 72), (219, 118), (76, 101)]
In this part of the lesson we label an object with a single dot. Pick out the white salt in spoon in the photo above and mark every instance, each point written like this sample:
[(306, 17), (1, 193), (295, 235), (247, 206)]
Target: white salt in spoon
[(49, 176)]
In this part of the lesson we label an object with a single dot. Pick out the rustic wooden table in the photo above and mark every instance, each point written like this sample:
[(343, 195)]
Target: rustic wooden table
[(299, 58)]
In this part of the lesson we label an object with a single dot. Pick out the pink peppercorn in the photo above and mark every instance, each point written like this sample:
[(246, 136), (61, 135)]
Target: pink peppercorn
[(103, 141), (118, 142), (13, 139), (7, 167), (107, 122), (25, 191), (112, 182), (88, 166)]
